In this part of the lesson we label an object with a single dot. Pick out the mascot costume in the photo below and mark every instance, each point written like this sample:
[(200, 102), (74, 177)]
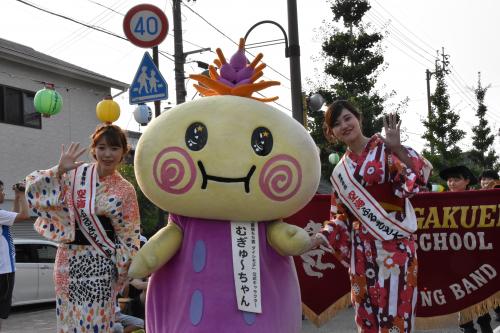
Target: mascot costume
[(227, 167)]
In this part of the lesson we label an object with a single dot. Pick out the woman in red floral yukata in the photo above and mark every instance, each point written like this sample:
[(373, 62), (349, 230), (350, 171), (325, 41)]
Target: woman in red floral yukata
[(372, 221)]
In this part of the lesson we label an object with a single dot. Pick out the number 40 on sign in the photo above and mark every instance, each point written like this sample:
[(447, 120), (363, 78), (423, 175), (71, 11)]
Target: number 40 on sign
[(145, 25)]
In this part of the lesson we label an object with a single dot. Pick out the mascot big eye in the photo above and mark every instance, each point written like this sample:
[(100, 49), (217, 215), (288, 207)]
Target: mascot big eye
[(227, 167)]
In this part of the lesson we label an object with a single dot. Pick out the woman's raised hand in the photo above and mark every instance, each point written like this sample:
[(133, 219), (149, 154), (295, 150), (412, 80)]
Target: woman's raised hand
[(392, 131), (68, 160)]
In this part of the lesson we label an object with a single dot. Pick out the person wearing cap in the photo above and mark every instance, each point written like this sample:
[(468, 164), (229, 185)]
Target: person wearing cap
[(486, 177), (460, 178)]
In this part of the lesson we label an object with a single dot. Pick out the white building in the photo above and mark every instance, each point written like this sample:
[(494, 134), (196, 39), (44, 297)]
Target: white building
[(27, 140)]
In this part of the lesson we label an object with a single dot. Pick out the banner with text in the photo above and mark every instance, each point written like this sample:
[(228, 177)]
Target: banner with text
[(458, 254)]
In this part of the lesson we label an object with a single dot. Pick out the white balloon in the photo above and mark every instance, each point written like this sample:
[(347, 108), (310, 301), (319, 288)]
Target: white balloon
[(316, 101)]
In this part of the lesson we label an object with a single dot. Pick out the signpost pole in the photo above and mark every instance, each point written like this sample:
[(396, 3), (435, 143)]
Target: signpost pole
[(161, 213), (156, 62)]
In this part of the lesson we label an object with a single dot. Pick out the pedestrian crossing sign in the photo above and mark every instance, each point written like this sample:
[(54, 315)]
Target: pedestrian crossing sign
[(148, 84)]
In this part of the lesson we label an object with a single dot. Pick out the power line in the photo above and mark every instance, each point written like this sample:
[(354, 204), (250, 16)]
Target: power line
[(400, 37), (166, 55), (229, 38), (455, 77), (81, 32), (469, 100), (108, 8), (400, 49), (72, 20), (94, 27), (210, 24), (281, 105), (163, 53), (170, 34), (461, 81), (395, 18)]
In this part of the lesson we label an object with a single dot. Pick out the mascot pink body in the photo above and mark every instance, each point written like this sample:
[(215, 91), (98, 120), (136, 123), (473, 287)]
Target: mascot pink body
[(194, 292)]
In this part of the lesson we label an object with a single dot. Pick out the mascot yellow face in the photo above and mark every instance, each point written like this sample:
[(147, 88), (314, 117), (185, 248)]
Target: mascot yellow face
[(227, 158)]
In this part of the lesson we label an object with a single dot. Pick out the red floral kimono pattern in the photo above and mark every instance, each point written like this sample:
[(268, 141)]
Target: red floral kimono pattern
[(383, 274)]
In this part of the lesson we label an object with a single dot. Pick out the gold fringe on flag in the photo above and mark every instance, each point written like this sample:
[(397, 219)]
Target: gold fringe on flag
[(454, 319), (480, 308), (322, 318)]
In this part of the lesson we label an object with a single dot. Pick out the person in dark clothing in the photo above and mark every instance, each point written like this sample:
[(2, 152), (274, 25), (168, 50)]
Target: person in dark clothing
[(7, 253)]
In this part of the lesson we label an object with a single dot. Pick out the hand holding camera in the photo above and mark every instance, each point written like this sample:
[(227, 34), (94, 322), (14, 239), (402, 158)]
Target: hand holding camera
[(19, 187)]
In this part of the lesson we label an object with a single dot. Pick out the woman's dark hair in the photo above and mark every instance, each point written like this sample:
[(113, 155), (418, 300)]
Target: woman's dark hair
[(333, 113), (489, 173), (113, 135), (335, 109)]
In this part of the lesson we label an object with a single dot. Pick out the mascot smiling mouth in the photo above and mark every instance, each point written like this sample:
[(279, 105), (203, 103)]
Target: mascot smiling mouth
[(206, 178)]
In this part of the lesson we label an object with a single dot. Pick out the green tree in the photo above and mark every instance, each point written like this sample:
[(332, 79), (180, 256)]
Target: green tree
[(441, 132), (353, 59), (148, 211), (482, 153), (354, 56)]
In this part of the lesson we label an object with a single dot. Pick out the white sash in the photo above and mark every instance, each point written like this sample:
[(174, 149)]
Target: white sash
[(84, 191), (246, 265), (367, 210)]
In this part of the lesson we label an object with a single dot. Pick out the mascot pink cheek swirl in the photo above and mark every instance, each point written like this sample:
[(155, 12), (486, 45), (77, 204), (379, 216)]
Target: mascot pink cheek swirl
[(173, 167), (280, 178)]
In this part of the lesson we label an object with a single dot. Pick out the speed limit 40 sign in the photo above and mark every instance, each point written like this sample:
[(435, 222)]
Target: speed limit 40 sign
[(145, 25)]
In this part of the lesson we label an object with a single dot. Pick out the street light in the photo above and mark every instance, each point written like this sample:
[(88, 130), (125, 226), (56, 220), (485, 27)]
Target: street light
[(287, 51), (292, 51), (185, 54)]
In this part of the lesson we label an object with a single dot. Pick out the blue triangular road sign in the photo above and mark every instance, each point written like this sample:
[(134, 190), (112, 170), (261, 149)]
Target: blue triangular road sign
[(148, 85)]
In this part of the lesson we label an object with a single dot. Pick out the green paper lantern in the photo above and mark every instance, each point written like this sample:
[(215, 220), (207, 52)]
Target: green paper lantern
[(47, 101)]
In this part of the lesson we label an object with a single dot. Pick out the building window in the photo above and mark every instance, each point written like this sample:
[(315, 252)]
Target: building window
[(16, 108)]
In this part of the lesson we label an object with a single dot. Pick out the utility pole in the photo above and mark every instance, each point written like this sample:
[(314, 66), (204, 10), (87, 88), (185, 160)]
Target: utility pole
[(428, 75), (445, 62), (294, 48), (180, 90), (179, 56)]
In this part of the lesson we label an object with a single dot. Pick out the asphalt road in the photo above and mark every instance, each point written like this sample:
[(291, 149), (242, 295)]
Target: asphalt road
[(41, 319)]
